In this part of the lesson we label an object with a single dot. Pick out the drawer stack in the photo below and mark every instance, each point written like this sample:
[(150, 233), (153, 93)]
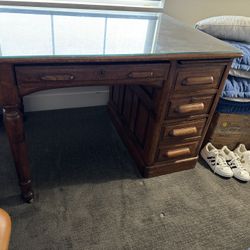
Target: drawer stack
[(164, 125), (189, 108)]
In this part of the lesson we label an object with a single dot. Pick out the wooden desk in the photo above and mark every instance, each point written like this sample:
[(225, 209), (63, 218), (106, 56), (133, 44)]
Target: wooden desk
[(165, 78)]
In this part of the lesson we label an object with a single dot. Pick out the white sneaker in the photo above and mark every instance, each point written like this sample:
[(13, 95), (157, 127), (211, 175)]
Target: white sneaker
[(215, 160), (244, 155), (233, 161)]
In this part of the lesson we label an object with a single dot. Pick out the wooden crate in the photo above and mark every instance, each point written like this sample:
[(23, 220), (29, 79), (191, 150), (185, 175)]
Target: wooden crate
[(229, 130)]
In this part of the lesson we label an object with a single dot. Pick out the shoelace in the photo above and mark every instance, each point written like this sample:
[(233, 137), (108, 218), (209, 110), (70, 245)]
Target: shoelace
[(219, 161), (235, 162)]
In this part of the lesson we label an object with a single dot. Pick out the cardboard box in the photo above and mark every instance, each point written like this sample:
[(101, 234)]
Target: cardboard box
[(229, 130)]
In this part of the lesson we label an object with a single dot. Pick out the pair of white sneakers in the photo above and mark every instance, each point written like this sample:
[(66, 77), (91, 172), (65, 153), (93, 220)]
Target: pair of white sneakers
[(228, 163)]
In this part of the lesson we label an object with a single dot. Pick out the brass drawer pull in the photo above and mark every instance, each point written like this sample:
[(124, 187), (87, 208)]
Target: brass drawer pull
[(141, 74), (178, 152), (57, 77), (183, 131), (203, 98), (193, 107), (202, 80)]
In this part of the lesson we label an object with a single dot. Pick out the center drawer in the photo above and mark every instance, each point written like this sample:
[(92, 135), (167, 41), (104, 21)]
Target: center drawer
[(188, 106), (124, 73)]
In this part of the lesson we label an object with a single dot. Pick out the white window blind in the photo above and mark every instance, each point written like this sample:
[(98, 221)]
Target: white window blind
[(56, 34), (101, 4)]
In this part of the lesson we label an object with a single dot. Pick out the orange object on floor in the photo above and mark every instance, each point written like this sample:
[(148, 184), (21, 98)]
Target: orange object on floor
[(5, 229)]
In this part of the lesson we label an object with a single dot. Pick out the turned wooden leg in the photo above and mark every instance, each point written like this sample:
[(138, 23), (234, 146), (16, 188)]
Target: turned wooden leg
[(13, 120), (21, 106), (22, 109)]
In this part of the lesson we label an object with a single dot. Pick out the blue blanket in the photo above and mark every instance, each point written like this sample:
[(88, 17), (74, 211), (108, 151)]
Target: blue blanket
[(237, 87), (242, 63)]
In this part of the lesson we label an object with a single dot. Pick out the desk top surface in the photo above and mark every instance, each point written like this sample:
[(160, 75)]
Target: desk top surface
[(27, 33)]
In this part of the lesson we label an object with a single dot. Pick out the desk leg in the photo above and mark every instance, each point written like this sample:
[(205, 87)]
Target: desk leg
[(13, 120)]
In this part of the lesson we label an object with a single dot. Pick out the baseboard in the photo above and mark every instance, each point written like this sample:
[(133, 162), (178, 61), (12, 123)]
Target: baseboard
[(66, 98)]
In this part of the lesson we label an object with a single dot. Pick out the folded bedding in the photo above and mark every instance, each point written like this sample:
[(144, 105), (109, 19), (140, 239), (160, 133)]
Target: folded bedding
[(237, 87), (242, 63), (238, 84), (239, 73), (233, 106)]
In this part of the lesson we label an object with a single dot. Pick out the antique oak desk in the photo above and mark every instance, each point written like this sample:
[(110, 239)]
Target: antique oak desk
[(165, 78)]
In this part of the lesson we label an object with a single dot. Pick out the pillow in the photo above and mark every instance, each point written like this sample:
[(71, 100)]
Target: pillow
[(236, 28), (239, 73)]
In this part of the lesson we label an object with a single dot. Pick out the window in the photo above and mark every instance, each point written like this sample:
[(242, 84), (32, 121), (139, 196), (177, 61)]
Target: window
[(23, 32), (94, 4)]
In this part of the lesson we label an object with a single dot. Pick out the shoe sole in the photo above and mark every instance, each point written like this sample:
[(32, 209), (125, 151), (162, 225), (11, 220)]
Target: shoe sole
[(240, 180)]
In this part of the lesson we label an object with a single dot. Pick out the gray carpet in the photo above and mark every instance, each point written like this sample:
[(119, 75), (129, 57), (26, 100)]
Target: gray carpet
[(89, 194)]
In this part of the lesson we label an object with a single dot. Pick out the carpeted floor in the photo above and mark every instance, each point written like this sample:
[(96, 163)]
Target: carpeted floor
[(89, 194)]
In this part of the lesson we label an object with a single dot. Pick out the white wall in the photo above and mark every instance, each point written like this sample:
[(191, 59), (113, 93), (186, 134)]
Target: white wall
[(191, 11), (66, 98), (188, 11)]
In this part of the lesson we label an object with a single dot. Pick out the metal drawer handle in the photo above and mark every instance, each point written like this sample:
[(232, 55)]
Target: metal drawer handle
[(202, 80), (57, 77), (141, 74), (193, 107), (178, 152), (183, 131)]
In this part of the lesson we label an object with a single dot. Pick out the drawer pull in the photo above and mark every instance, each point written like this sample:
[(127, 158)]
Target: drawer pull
[(57, 77), (178, 152), (183, 131), (140, 74), (193, 107), (198, 80)]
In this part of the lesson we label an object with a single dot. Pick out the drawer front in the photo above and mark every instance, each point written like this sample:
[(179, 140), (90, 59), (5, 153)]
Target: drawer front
[(189, 106), (202, 77), (178, 151), (80, 73), (183, 132)]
